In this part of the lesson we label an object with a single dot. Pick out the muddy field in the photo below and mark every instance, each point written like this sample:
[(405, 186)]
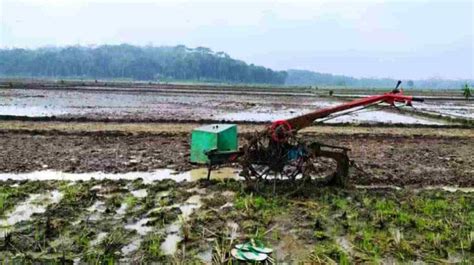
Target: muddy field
[(195, 104), (397, 160), (86, 191), (126, 193)]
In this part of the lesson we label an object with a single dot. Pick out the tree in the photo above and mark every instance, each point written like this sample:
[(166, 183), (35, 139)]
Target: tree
[(135, 62)]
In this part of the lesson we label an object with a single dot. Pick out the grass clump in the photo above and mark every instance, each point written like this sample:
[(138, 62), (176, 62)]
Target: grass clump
[(329, 252)]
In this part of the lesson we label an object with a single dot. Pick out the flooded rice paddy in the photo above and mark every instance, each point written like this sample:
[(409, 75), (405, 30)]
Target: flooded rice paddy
[(459, 109), (372, 116), (127, 104), (133, 105)]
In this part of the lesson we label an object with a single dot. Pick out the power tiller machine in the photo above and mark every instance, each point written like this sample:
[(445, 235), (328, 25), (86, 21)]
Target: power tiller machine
[(278, 153)]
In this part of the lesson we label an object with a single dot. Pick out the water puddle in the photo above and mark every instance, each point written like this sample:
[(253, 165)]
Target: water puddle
[(377, 187), (170, 244), (417, 189), (205, 256), (227, 205), (188, 207), (132, 247), (219, 174), (140, 226), (31, 111), (96, 187), (36, 203), (449, 188), (148, 177), (163, 194), (98, 239), (173, 231), (98, 206), (139, 193), (96, 210), (345, 244), (142, 229)]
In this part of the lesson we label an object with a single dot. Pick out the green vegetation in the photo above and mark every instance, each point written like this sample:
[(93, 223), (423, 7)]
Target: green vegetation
[(134, 62), (10, 196), (4, 198), (318, 225), (356, 226), (151, 245)]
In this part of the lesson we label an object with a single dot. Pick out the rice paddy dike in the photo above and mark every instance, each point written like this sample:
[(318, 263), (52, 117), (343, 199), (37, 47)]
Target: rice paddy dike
[(88, 189)]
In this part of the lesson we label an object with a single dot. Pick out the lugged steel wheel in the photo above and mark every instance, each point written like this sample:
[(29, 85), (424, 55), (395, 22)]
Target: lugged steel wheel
[(292, 160), (263, 157)]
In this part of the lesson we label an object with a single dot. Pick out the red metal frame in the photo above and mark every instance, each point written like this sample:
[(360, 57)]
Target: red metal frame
[(281, 127)]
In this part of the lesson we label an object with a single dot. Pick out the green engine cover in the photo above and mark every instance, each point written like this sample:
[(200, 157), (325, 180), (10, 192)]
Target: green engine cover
[(222, 137)]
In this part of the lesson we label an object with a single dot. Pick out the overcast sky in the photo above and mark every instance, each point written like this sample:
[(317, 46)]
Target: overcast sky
[(398, 39)]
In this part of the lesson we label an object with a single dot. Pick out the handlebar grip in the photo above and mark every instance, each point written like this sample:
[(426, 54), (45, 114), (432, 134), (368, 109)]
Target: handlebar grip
[(417, 99), (398, 84)]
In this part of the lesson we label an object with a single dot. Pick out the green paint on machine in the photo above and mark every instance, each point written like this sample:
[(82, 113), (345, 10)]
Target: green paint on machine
[(222, 137)]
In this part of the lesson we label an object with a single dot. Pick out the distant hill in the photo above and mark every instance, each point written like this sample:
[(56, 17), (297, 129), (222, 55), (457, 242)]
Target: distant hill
[(134, 62), (309, 78)]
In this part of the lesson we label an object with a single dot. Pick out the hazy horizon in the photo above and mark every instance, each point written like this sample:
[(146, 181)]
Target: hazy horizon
[(395, 39)]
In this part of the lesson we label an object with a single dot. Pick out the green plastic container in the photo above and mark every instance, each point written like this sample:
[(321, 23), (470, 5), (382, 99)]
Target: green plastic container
[(222, 137)]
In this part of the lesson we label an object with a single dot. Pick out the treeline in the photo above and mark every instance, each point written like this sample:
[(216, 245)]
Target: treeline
[(177, 63), (309, 78), (134, 62)]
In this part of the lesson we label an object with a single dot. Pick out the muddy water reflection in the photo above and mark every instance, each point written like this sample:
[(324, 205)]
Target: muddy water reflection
[(148, 177)]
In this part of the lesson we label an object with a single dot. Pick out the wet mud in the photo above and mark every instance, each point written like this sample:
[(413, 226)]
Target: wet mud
[(377, 159)]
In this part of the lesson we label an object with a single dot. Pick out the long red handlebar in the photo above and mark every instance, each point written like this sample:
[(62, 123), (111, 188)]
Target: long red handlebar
[(300, 122)]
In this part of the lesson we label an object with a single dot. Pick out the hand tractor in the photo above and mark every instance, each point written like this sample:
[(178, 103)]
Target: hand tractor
[(278, 153)]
